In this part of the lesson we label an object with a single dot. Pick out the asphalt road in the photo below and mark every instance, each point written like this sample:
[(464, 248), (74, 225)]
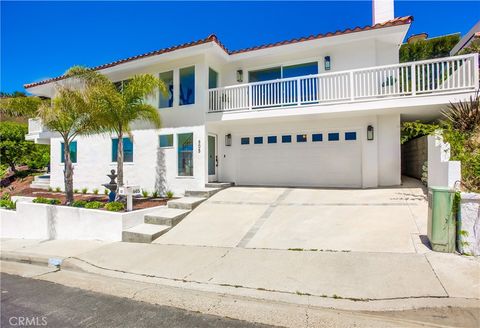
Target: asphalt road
[(29, 302)]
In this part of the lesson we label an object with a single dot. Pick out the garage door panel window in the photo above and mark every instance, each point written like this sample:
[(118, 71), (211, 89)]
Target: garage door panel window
[(316, 137), (334, 136), (245, 141), (258, 140), (286, 139), (350, 136), (301, 138), (272, 139)]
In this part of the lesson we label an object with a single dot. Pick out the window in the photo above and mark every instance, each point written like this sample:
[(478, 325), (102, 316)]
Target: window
[(272, 139), (166, 101), (166, 140), (258, 140), (127, 150), (350, 135), (187, 85), (185, 154), (334, 136), (301, 138), (317, 137), (212, 79), (286, 139), (73, 152), (120, 85), (245, 141), (300, 70), (265, 74)]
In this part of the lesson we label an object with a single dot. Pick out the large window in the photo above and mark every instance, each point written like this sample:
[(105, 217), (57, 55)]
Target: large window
[(166, 101), (73, 152), (265, 74), (187, 85), (127, 150), (185, 154), (166, 140), (212, 79)]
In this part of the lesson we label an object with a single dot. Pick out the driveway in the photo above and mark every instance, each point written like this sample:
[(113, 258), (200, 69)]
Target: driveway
[(367, 220)]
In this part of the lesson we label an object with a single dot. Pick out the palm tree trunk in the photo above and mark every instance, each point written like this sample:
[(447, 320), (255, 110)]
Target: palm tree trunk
[(120, 159), (68, 173)]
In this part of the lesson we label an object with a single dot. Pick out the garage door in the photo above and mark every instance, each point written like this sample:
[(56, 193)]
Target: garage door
[(331, 159)]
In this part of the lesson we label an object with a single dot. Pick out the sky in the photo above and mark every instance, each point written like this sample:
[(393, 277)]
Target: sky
[(43, 39)]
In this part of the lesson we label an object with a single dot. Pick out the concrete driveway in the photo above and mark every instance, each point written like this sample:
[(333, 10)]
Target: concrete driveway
[(368, 220)]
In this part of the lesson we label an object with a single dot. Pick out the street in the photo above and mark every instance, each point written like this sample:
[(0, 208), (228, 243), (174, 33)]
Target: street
[(29, 302)]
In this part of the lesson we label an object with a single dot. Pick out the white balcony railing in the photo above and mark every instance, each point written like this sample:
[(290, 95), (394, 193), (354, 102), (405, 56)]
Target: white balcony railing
[(406, 79)]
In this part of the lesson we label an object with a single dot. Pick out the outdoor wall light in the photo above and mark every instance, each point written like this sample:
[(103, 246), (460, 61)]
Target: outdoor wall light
[(240, 75), (370, 132), (228, 140), (327, 63)]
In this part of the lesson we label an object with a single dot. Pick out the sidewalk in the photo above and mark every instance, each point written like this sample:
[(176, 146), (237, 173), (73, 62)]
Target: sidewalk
[(349, 280)]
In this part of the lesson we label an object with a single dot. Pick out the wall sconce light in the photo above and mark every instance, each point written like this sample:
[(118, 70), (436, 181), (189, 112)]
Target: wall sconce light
[(327, 63), (370, 132), (240, 75), (228, 140)]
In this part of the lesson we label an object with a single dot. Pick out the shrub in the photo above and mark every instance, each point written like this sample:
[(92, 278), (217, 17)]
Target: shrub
[(144, 193), (6, 196), (58, 189), (169, 194), (106, 192), (95, 191), (114, 206), (8, 204), (79, 203), (50, 189), (94, 205), (75, 191), (43, 200), (155, 194), (84, 190)]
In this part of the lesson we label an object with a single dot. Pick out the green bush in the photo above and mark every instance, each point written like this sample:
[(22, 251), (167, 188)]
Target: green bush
[(43, 200), (106, 192), (6, 196), (144, 193), (114, 206), (169, 194), (84, 190), (8, 204), (155, 194), (95, 191), (94, 205), (79, 203), (58, 189), (75, 191)]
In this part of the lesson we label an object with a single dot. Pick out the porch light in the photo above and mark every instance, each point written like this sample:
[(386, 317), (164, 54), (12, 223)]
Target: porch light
[(327, 63), (239, 75), (228, 139), (370, 132)]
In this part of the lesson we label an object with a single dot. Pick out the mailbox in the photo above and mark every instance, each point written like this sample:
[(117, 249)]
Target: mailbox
[(129, 191)]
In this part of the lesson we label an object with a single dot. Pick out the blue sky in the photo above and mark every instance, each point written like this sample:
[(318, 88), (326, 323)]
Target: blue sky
[(42, 39)]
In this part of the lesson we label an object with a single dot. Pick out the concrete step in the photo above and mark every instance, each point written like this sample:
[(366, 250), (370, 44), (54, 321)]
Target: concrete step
[(220, 185), (144, 233), (204, 192), (166, 216), (40, 185), (185, 203), (44, 177)]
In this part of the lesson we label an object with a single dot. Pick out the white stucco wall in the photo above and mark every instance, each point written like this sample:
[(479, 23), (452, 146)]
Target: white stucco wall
[(389, 150), (441, 171)]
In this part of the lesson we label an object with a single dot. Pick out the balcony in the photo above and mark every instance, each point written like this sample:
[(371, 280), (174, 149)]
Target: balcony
[(430, 77), (37, 132)]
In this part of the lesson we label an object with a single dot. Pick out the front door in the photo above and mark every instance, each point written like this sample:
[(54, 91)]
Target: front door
[(212, 158)]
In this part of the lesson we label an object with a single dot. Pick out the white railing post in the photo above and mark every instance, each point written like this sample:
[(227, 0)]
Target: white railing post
[(414, 79), (476, 69), (299, 92), (352, 85), (250, 97)]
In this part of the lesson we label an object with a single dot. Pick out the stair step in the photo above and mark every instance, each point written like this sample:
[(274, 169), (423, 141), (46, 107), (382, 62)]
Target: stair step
[(185, 203), (204, 192), (40, 185), (144, 233), (220, 185), (166, 216)]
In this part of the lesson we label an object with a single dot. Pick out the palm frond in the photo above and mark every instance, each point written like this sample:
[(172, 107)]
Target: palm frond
[(465, 115)]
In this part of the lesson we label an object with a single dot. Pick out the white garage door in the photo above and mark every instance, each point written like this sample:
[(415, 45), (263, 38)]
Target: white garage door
[(331, 159)]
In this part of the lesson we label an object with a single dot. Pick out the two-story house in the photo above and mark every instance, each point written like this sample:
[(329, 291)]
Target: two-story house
[(323, 111)]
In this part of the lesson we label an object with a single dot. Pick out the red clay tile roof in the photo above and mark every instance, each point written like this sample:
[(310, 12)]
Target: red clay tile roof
[(213, 38)]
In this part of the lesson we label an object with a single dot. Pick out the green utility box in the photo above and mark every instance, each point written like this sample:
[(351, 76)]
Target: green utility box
[(441, 219)]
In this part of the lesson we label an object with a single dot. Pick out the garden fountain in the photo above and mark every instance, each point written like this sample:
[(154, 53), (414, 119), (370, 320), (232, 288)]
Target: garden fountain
[(112, 186)]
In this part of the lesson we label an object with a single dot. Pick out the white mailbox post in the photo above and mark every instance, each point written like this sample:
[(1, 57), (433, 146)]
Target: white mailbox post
[(129, 191)]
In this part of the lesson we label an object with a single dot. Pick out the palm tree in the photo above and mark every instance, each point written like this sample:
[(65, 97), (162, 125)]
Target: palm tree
[(122, 104)]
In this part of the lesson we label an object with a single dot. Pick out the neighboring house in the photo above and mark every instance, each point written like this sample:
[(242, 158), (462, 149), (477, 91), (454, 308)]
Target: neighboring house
[(322, 110), (466, 41)]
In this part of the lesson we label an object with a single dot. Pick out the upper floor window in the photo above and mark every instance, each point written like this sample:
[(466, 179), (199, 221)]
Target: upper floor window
[(73, 152), (120, 85), (212, 79), (187, 85), (166, 101), (127, 150)]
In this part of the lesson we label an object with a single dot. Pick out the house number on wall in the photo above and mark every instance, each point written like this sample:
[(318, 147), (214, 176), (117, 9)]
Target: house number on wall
[(199, 146)]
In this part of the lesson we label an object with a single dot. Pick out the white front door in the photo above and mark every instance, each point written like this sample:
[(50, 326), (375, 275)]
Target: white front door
[(212, 158)]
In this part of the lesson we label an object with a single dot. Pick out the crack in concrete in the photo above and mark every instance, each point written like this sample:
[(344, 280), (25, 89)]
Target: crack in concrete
[(436, 276)]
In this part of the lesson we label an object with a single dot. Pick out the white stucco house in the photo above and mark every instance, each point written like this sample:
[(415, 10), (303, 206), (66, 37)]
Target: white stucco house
[(323, 111)]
